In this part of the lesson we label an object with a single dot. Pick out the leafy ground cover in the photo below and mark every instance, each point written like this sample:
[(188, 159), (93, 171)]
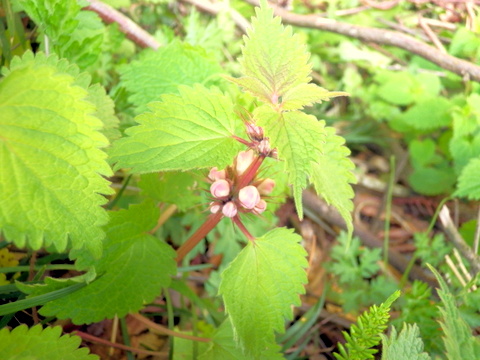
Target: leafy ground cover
[(235, 180)]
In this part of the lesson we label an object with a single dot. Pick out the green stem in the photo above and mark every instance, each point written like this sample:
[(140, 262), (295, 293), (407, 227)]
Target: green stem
[(126, 337), (14, 269), (171, 324), (120, 193), (202, 231), (388, 211)]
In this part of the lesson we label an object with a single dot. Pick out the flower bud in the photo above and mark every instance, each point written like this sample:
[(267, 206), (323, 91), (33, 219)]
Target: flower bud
[(254, 132), (244, 160), (229, 209), (261, 207), (220, 188), (214, 208), (264, 147), (266, 186), (216, 174), (249, 197)]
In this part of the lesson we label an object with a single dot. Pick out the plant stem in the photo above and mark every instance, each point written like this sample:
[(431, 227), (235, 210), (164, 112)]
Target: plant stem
[(202, 231), (243, 141), (251, 172), (242, 228)]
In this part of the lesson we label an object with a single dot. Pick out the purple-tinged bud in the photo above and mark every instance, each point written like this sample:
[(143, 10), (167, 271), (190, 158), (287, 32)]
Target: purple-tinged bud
[(244, 160), (274, 154), (214, 207), (229, 209), (220, 188), (261, 207), (216, 174), (266, 186), (254, 132), (249, 197)]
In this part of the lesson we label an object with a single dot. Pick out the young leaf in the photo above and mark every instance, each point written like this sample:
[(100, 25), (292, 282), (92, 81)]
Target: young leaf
[(468, 185), (51, 162), (259, 287), (70, 32), (162, 71), (408, 345), (312, 152), (37, 343), (133, 270), (278, 74), (183, 132), (364, 336), (459, 341)]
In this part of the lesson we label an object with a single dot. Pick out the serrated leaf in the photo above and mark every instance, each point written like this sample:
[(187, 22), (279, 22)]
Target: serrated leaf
[(105, 111), (51, 162), (279, 73), (468, 184), (37, 343), (183, 132), (72, 33), (162, 71), (133, 270), (407, 345), (259, 287), (458, 339), (332, 175), (312, 152)]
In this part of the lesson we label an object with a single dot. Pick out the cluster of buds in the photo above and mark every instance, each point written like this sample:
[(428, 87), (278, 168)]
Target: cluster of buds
[(259, 141), (231, 197)]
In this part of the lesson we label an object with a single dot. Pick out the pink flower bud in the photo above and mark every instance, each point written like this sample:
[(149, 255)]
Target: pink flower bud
[(266, 186), (244, 160), (216, 174), (220, 188), (229, 209), (249, 197), (261, 207), (214, 208), (254, 132), (264, 147)]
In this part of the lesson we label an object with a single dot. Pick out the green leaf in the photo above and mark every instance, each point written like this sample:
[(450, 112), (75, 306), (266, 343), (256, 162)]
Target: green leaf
[(366, 334), (73, 34), (468, 184), (259, 287), (105, 111), (223, 345), (432, 180), (312, 152), (430, 114), (458, 339), (134, 268), (162, 71), (183, 132), (278, 74), (51, 162), (24, 343), (332, 175), (407, 345)]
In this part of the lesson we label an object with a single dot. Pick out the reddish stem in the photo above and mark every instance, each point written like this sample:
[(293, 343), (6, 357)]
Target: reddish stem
[(242, 228), (251, 172), (202, 231), (243, 141)]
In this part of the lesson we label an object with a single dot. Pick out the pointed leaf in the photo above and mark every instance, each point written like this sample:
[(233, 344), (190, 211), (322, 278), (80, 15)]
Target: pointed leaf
[(51, 162), (162, 71), (278, 74), (312, 152), (408, 345), (259, 287), (37, 343), (183, 132), (133, 270)]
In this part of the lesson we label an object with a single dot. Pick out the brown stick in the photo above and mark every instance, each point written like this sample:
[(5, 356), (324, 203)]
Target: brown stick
[(127, 26), (383, 37), (320, 207)]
